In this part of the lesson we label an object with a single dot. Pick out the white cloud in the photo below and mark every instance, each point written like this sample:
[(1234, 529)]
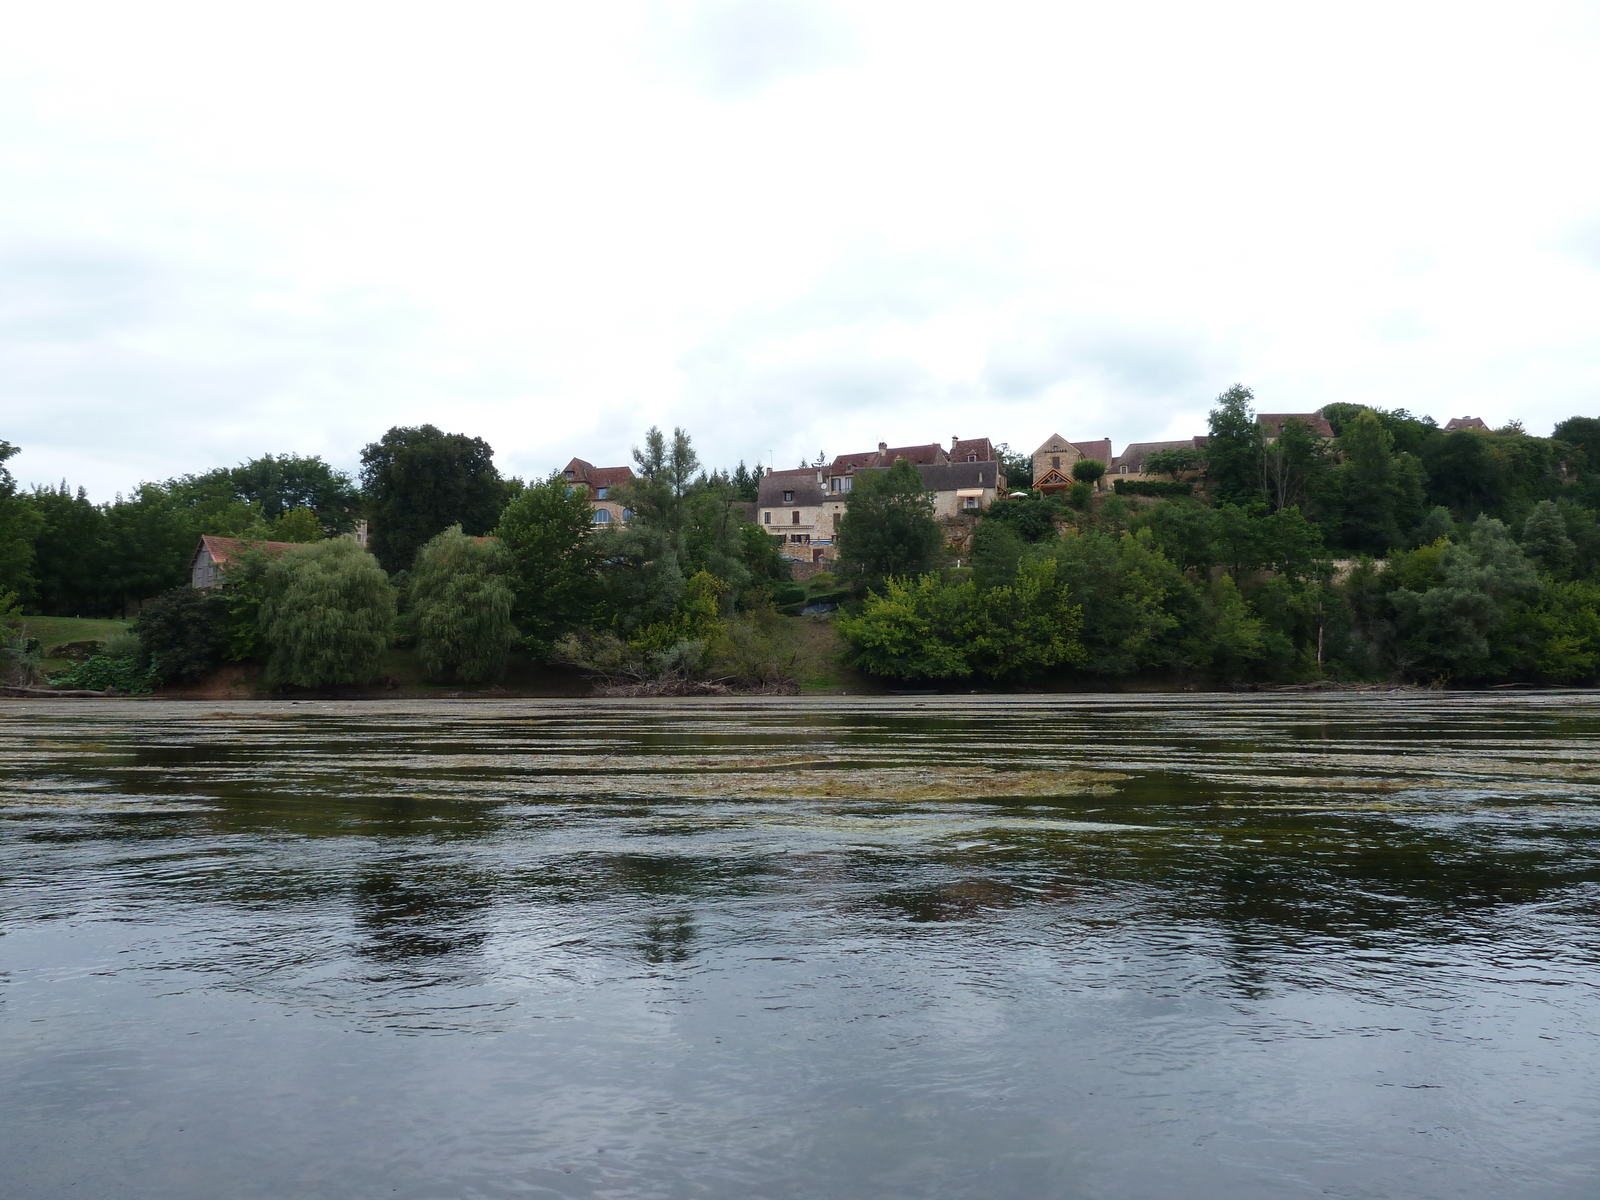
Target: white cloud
[(784, 225)]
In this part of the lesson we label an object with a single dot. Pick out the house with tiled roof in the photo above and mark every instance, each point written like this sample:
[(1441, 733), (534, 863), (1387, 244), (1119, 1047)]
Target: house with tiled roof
[(1272, 424), (1130, 464), (838, 474), (213, 555), (791, 506), (597, 483), (1054, 459), (1472, 424)]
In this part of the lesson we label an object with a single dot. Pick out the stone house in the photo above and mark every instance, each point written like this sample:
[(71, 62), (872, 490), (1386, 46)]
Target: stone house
[(1474, 424), (1272, 424), (1053, 461), (213, 554), (790, 505), (597, 483), (1129, 465)]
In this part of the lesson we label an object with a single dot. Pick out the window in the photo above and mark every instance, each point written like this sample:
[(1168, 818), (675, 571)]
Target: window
[(627, 515), (972, 458), (766, 517), (969, 502), (788, 497), (600, 493), (1055, 461), (794, 517), (569, 474), (602, 516)]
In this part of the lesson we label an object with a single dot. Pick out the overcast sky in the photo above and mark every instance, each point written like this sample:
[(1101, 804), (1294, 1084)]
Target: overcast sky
[(791, 227)]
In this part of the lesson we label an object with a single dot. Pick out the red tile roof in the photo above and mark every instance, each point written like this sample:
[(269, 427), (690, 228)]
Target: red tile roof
[(977, 449), (1272, 423), (1099, 449), (224, 550)]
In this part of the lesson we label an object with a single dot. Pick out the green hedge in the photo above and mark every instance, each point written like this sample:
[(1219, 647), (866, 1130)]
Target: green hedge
[(1151, 487)]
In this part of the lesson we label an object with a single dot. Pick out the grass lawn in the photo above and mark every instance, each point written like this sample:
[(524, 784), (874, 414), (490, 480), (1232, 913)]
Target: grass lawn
[(52, 631)]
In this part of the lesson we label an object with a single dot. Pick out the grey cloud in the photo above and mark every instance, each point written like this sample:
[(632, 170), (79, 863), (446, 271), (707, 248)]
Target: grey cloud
[(736, 48), (1141, 362)]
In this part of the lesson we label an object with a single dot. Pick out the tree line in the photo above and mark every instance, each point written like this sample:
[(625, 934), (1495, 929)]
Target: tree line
[(1393, 549)]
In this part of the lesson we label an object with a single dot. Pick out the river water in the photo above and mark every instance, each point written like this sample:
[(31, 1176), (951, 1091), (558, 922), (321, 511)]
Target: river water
[(986, 947)]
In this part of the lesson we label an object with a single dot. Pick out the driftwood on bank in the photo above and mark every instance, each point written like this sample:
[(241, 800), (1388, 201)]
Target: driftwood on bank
[(678, 686), (33, 693)]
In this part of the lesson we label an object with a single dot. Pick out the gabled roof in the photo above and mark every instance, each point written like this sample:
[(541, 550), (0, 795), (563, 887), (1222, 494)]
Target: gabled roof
[(980, 449), (802, 485), (1272, 423), (1476, 424), (885, 455), (1135, 453), (1099, 450), (224, 550), (947, 477), (1053, 444), (579, 471)]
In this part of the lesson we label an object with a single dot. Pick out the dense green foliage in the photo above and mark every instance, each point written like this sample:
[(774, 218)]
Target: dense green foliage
[(186, 630), (419, 481), (461, 607), (326, 615), (554, 561), (888, 529)]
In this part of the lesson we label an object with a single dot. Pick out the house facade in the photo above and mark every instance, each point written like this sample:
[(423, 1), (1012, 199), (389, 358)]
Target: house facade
[(792, 507), (1053, 461), (596, 483)]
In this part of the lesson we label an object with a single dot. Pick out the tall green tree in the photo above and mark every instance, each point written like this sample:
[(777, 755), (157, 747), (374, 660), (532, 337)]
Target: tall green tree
[(888, 529), (327, 615), (1234, 447), (19, 526), (279, 484), (149, 543), (419, 481), (461, 604), (69, 552), (554, 561)]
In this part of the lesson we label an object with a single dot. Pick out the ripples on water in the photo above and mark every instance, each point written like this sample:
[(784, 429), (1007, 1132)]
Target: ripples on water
[(986, 947)]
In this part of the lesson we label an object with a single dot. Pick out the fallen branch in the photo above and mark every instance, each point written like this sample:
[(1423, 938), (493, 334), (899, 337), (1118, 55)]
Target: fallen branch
[(67, 693)]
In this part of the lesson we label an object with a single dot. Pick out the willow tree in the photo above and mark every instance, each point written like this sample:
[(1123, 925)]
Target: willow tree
[(461, 603), (326, 615)]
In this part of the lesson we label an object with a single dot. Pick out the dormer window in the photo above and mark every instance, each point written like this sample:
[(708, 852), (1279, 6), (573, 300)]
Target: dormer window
[(788, 497), (972, 458), (600, 493), (569, 475)]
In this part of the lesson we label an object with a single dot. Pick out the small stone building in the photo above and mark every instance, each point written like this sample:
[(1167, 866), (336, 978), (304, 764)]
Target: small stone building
[(214, 554), (1053, 461)]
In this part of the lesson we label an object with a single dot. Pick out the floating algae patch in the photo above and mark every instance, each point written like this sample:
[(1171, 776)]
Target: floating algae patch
[(907, 784)]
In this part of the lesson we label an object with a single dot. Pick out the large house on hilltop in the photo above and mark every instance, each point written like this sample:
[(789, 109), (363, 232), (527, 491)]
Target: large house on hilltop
[(1053, 461), (596, 483), (214, 553), (1473, 424)]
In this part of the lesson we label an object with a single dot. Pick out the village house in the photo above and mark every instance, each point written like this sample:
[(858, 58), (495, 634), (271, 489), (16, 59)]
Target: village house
[(1053, 461), (1130, 464), (1271, 424), (803, 507), (213, 554), (790, 505), (597, 483), (1474, 424)]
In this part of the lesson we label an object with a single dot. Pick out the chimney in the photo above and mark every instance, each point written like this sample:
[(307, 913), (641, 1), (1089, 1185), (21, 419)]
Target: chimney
[(953, 440), (882, 446)]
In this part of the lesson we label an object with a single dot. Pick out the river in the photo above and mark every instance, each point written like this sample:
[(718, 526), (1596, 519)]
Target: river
[(942, 946)]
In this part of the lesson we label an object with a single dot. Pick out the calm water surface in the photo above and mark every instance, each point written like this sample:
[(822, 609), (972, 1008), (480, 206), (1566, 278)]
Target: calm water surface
[(943, 947)]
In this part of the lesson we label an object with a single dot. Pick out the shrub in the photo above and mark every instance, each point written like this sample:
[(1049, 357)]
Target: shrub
[(1151, 487), (326, 615), (133, 675), (186, 629), (461, 607)]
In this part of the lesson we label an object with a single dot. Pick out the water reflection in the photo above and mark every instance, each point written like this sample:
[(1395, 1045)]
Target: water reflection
[(956, 947)]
